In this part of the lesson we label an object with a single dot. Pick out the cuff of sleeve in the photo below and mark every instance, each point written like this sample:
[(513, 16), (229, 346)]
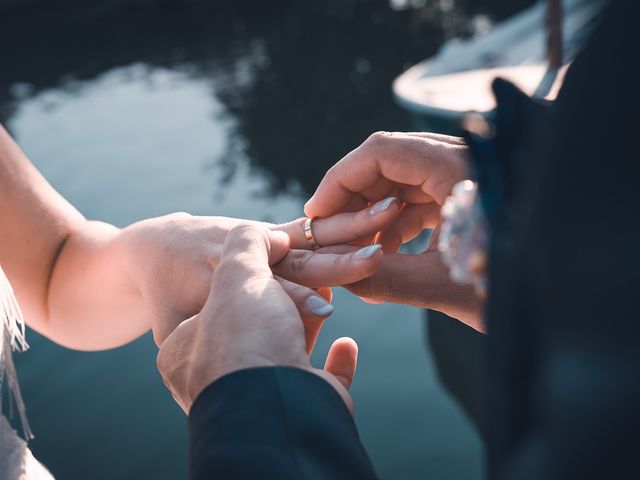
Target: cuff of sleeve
[(288, 421)]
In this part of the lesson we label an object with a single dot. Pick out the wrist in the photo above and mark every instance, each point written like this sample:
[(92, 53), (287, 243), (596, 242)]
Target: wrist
[(188, 368)]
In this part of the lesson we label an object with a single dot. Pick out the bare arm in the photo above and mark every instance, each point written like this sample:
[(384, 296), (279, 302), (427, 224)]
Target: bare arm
[(61, 266), (89, 285)]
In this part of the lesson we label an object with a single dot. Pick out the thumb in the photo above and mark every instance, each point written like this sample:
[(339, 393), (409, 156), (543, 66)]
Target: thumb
[(249, 251), (342, 360)]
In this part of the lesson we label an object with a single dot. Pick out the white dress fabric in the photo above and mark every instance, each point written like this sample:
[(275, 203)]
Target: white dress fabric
[(16, 460)]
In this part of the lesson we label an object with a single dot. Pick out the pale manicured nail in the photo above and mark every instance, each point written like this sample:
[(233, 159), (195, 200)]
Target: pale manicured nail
[(381, 206), (318, 306), (367, 252)]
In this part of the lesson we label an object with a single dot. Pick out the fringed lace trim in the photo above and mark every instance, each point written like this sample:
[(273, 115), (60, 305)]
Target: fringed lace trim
[(12, 337)]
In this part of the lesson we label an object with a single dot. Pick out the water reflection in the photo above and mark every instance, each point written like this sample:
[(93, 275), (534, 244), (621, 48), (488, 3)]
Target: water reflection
[(133, 109), (143, 122), (322, 69)]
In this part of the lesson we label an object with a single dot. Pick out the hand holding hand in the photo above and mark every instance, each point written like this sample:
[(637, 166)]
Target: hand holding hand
[(420, 169), (171, 258), (249, 320)]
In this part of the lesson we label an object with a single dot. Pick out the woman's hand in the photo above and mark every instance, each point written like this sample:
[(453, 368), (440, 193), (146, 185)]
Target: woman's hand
[(420, 169), (171, 259)]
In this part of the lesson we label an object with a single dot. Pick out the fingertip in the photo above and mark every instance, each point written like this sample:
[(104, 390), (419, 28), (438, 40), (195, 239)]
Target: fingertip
[(307, 208), (281, 237), (280, 245), (372, 301), (342, 360), (320, 207), (310, 208), (326, 293), (346, 343)]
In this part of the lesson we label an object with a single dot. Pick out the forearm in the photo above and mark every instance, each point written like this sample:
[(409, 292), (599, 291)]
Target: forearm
[(93, 302), (63, 268)]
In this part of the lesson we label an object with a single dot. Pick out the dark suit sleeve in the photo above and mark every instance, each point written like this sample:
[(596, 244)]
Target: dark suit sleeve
[(274, 423)]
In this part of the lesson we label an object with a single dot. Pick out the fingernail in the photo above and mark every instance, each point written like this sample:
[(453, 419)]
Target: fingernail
[(367, 252), (318, 306), (381, 206)]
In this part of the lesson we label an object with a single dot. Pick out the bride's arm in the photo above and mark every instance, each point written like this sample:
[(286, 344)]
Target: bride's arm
[(89, 285), (56, 260)]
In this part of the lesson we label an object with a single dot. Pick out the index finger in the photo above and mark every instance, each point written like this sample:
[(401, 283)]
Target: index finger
[(345, 227)]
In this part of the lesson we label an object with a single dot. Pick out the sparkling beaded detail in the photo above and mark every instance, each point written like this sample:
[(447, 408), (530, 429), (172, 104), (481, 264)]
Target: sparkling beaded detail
[(463, 237)]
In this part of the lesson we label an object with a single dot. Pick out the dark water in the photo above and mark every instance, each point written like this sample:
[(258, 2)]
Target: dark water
[(134, 109)]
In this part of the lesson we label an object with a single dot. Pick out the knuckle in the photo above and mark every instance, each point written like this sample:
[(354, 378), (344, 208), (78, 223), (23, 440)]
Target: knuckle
[(182, 214), (244, 229), (177, 216), (212, 258), (298, 265), (378, 138), (244, 234)]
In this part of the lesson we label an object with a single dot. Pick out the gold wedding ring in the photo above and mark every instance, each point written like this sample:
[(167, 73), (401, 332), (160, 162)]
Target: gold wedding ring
[(308, 233)]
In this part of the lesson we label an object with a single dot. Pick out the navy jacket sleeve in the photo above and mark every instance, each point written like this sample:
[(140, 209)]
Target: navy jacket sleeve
[(274, 423)]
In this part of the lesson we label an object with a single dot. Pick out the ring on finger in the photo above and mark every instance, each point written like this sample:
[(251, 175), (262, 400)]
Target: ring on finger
[(308, 233)]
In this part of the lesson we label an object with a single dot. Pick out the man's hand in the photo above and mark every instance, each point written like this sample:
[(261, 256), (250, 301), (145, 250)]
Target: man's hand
[(420, 169), (249, 320)]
